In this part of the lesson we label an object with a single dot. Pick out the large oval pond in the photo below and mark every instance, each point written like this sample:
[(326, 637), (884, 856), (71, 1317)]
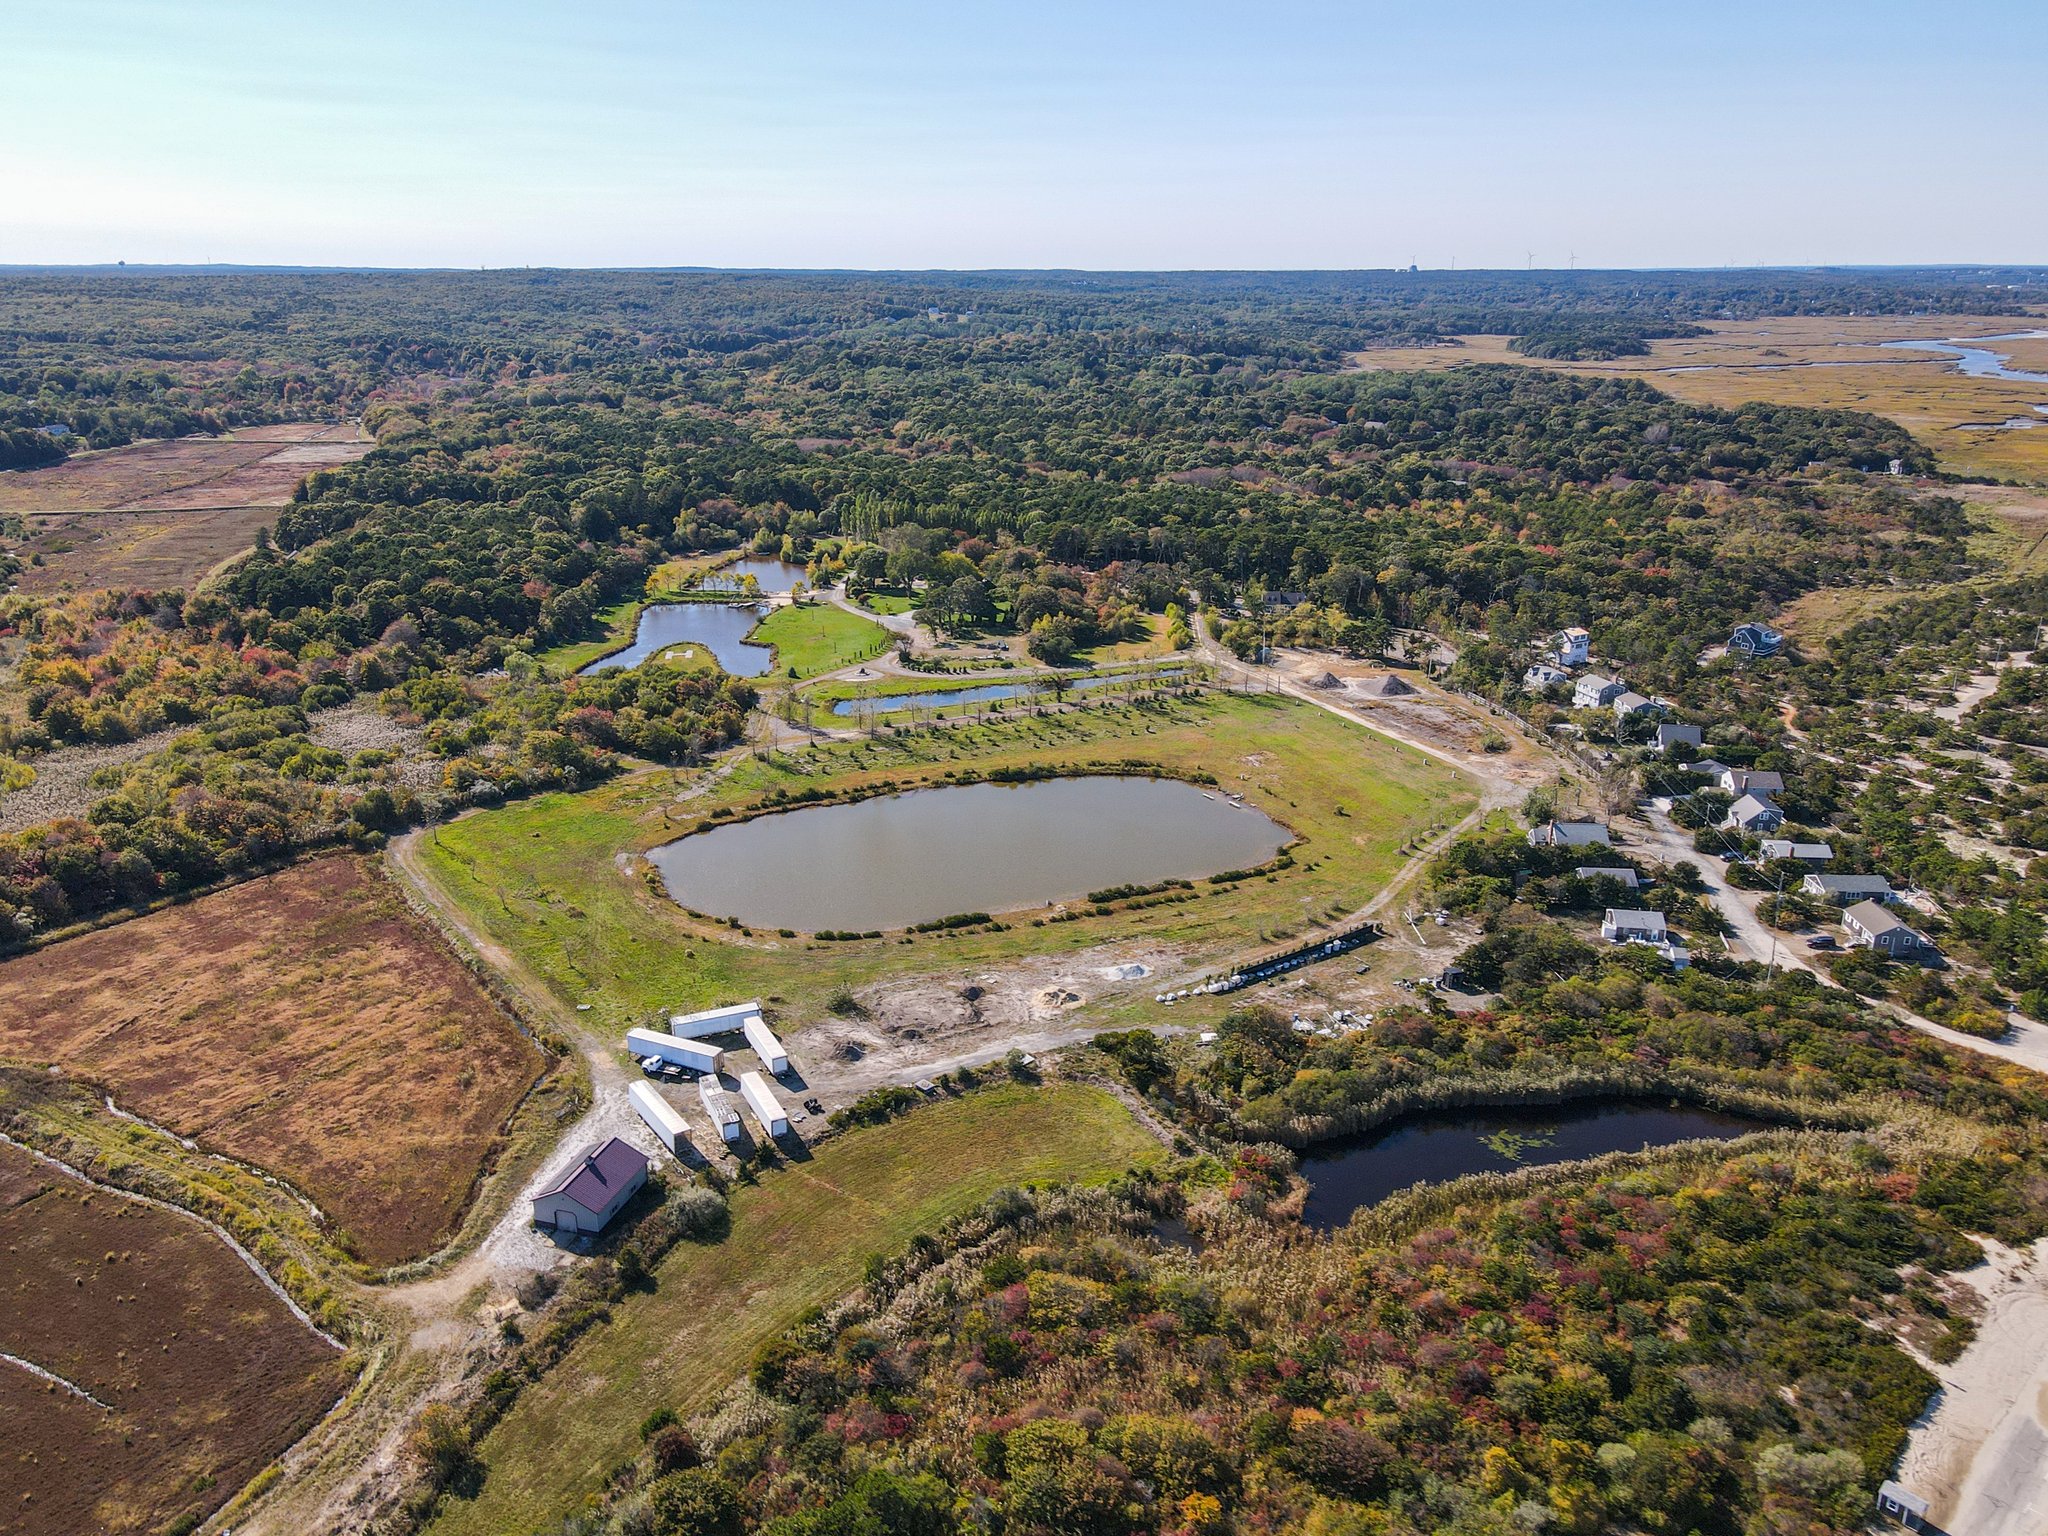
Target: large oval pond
[(1433, 1148), (721, 628), (896, 860)]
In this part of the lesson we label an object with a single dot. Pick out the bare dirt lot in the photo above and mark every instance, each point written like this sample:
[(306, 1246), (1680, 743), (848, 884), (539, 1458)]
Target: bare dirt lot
[(307, 1022), (154, 550), (181, 1376)]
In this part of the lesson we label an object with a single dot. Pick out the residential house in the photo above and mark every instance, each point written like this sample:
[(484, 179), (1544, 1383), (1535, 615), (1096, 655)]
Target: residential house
[(1617, 872), (1843, 890), (1669, 736), (1806, 853), (1626, 925), (1876, 927), (1628, 704), (1571, 647), (1570, 834), (1541, 676), (1707, 767), (1753, 813), (1595, 691), (1750, 781), (1755, 641)]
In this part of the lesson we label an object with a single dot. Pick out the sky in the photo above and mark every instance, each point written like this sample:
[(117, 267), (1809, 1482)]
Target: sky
[(1116, 134)]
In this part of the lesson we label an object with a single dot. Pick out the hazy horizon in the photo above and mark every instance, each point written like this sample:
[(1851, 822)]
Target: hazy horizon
[(912, 136)]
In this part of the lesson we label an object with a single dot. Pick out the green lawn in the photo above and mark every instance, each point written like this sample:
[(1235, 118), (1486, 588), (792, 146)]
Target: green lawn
[(543, 878), (800, 1237), (888, 603), (810, 638)]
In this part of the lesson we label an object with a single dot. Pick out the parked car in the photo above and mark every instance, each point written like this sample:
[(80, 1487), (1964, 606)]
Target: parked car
[(1821, 941)]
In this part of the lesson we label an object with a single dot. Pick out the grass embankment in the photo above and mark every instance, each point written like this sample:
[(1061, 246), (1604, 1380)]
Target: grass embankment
[(800, 1237), (810, 638), (543, 878), (890, 687)]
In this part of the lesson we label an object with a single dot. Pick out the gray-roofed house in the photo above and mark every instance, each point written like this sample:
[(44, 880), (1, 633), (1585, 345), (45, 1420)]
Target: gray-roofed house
[(592, 1190), (1595, 691), (1710, 767), (1629, 703), (1570, 834), (1876, 927), (1541, 676), (1753, 813), (1845, 889), (1619, 872), (1670, 735), (1627, 925), (1760, 781), (1806, 853)]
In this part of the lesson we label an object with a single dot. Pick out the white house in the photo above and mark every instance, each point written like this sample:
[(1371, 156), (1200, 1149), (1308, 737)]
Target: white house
[(1744, 781), (762, 1101), (694, 1054), (1541, 676), (1752, 813), (1894, 1500), (766, 1046), (1594, 691), (1843, 890), (1571, 647), (1875, 927), (669, 1128), (1669, 736), (1626, 925), (718, 1108), (1620, 872), (592, 1191), (1570, 834), (1806, 853)]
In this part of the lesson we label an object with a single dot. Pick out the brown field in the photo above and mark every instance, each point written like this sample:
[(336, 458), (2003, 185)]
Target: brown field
[(308, 1023), (204, 1375), (255, 466), (1825, 361), (153, 550)]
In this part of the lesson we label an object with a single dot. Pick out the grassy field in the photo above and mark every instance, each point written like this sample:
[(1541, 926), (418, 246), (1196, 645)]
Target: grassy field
[(1745, 360), (677, 1347), (545, 878), (308, 1023), (888, 603), (810, 638), (204, 1374)]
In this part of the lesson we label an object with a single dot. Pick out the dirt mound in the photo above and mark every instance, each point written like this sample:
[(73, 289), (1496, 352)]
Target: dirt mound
[(1386, 686), (1327, 680)]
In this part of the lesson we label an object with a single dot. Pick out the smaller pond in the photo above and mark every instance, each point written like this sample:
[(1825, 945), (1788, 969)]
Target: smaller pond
[(721, 628), (910, 858), (1433, 1148), (981, 693), (769, 575), (1976, 361)]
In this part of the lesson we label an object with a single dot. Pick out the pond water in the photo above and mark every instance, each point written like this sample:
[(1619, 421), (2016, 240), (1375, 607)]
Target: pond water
[(979, 693), (912, 858), (721, 628), (770, 575), (1431, 1148), (1979, 362)]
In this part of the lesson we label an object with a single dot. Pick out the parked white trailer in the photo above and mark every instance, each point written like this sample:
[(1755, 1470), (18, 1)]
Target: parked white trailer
[(766, 1046), (724, 1118), (694, 1054), (762, 1101), (661, 1116), (714, 1021)]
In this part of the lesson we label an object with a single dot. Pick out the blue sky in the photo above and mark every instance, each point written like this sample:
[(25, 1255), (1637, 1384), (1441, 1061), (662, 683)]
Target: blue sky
[(1123, 133)]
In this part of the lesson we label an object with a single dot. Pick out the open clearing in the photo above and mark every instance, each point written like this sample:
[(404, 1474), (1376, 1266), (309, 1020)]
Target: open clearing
[(203, 1375), (810, 638), (678, 1346), (1827, 361), (308, 1023), (556, 882)]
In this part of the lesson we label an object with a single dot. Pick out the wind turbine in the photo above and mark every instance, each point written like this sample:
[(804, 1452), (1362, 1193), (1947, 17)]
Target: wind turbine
[(1532, 261)]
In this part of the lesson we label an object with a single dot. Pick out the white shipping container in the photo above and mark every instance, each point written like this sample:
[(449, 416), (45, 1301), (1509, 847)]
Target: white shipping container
[(694, 1054), (762, 1101), (660, 1116), (714, 1021), (766, 1046), (724, 1118)]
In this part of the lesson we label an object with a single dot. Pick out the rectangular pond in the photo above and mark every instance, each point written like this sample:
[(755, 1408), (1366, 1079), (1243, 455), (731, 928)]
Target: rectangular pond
[(896, 860)]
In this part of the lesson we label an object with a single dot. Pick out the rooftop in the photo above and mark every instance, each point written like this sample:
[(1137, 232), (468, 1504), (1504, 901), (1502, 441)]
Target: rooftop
[(595, 1182)]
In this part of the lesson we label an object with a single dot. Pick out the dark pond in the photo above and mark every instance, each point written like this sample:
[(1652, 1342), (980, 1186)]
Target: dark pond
[(979, 693), (1433, 1148), (721, 628), (912, 858)]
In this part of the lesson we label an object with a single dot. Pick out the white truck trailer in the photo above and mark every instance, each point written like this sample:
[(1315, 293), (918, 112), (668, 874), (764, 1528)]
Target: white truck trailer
[(661, 1117), (714, 1021), (718, 1108), (766, 1046), (762, 1101), (694, 1054)]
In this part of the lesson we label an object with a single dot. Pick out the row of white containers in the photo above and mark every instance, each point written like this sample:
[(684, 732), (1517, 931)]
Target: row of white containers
[(677, 1045)]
